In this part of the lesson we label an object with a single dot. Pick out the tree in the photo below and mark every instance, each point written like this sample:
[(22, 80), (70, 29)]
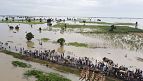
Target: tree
[(29, 36), (49, 20), (6, 19), (29, 20), (13, 18), (40, 19), (112, 28), (17, 27), (61, 41), (84, 22)]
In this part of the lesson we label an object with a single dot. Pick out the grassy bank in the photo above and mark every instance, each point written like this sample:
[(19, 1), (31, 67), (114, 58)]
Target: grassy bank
[(103, 29), (51, 65), (41, 76), (20, 64), (76, 44)]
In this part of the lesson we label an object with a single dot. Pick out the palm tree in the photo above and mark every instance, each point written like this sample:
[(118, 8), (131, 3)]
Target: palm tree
[(29, 36), (61, 41)]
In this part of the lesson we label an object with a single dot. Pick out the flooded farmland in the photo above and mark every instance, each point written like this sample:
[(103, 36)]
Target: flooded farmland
[(123, 49)]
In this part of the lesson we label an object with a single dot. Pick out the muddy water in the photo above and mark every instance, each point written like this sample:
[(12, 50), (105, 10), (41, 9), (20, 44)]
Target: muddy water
[(10, 73), (112, 46)]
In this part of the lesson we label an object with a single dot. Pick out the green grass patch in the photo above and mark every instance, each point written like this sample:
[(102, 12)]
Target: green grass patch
[(20, 64), (124, 23), (76, 44), (103, 29), (41, 76), (111, 23), (45, 39)]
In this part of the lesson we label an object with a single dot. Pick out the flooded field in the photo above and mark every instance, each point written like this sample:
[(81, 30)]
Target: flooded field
[(114, 46), (123, 49)]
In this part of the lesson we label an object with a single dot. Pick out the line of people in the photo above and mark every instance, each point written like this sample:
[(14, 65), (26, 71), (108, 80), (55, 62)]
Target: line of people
[(90, 70)]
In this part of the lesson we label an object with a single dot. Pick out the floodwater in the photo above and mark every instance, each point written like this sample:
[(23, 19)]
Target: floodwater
[(115, 47), (10, 73)]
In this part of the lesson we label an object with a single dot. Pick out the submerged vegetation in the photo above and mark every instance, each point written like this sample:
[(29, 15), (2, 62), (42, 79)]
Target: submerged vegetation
[(78, 44), (103, 29), (45, 39), (20, 64), (41, 76)]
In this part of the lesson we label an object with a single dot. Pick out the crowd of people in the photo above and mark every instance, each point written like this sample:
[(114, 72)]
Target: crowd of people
[(90, 70)]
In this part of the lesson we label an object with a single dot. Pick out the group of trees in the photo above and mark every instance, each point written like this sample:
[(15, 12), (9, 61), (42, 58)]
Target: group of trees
[(29, 37), (6, 19), (11, 27)]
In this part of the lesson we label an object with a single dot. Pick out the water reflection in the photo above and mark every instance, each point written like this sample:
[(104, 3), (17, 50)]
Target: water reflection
[(61, 49), (30, 44), (17, 30)]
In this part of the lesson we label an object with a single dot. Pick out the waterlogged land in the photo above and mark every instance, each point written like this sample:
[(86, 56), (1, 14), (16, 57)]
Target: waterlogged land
[(101, 29), (93, 41)]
